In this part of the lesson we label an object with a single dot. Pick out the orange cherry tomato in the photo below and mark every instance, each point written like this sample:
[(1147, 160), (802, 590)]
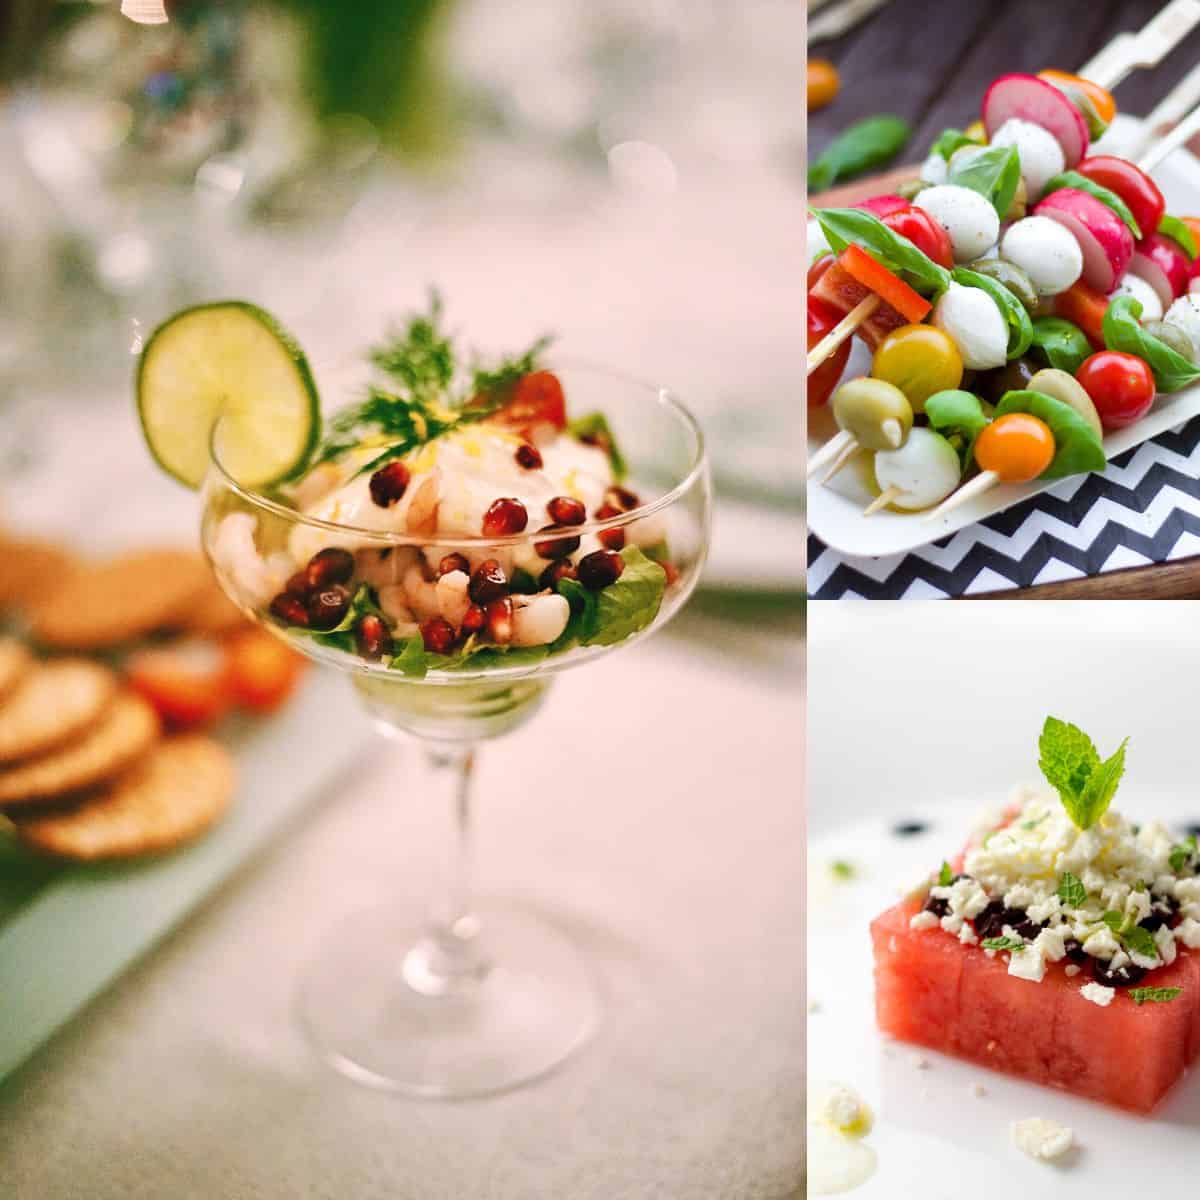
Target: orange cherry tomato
[(1085, 307), (891, 289), (823, 83), (262, 670), (1017, 446), (1102, 100), (187, 682), (537, 399)]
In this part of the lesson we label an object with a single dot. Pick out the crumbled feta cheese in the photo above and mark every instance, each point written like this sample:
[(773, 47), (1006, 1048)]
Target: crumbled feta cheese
[(1164, 939), (968, 936), (846, 1111), (924, 920), (1187, 890), (1102, 944), (1189, 933), (1042, 1139), (1103, 996)]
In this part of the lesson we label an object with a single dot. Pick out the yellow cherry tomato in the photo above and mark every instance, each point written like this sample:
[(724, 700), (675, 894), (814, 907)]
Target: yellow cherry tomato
[(1017, 446), (919, 360), (1102, 101), (823, 83)]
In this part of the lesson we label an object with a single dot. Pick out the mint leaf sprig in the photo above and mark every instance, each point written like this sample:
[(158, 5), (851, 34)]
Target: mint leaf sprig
[(1131, 935), (1182, 854), (1154, 995), (1072, 766), (1003, 943), (1071, 891)]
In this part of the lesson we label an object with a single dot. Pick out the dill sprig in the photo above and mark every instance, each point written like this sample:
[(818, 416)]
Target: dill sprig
[(420, 358)]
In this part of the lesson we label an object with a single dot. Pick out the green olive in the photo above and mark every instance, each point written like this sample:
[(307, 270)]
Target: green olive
[(1020, 202), (1008, 276), (1012, 377), (877, 413), (1171, 335), (1062, 385), (912, 187)]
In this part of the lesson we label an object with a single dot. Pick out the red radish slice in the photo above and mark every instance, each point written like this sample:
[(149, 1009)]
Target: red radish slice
[(1103, 237), (884, 206), (1162, 263), (1031, 99)]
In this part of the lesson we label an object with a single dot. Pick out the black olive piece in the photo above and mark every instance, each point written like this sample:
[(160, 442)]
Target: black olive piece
[(991, 922), (910, 828), (1126, 976)]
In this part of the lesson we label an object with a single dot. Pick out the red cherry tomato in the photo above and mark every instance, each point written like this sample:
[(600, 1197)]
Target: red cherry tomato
[(883, 206), (820, 265), (821, 319), (537, 399), (1085, 307), (186, 681), (1121, 387), (924, 232), (1131, 183)]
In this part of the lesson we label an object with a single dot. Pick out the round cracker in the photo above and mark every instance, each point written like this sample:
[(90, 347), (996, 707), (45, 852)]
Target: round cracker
[(106, 604), (29, 568), (169, 797), (53, 703), (15, 661), (128, 728)]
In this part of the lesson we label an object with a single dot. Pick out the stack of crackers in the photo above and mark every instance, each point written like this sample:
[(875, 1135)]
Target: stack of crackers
[(86, 771)]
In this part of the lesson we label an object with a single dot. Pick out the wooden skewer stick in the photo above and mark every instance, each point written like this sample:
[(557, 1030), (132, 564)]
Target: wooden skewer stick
[(830, 451), (842, 459), (883, 500), (841, 331), (983, 482)]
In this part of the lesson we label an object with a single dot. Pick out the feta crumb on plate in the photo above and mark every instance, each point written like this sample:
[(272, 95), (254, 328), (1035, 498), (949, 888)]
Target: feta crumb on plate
[(1042, 1139), (1098, 994)]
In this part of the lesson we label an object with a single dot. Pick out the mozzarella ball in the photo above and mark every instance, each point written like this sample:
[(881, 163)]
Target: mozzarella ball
[(1041, 156), (965, 215), (1194, 286), (975, 325), (1184, 315), (1143, 293), (1046, 251), (925, 469), (935, 169), (815, 242)]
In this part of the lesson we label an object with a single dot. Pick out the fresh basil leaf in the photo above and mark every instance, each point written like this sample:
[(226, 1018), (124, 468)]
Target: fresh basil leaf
[(1180, 233), (1077, 448), (629, 605), (1016, 317), (956, 411), (1063, 344), (1154, 995), (950, 140), (1073, 179), (994, 173), (1070, 891), (872, 142), (846, 226), (1140, 941), (1122, 332), (594, 428)]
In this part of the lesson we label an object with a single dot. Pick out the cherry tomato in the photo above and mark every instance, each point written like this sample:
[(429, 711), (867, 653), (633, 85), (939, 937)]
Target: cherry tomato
[(919, 360), (924, 232), (821, 319), (262, 670), (1121, 387), (820, 265), (1085, 307), (537, 399), (1102, 101), (186, 681), (1131, 183), (881, 206), (823, 83), (1017, 446)]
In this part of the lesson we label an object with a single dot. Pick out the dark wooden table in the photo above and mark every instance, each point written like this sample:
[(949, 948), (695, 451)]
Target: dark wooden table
[(930, 62)]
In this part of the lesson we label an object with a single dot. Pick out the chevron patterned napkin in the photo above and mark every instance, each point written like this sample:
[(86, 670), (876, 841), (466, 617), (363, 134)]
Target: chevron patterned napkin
[(1145, 508)]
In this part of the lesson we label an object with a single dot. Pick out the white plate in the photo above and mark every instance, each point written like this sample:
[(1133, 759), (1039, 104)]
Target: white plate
[(949, 701), (835, 512)]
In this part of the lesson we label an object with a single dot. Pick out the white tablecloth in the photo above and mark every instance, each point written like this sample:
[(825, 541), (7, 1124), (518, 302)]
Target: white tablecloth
[(669, 841)]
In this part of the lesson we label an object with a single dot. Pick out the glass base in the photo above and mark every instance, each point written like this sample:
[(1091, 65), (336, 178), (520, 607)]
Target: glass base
[(399, 1024)]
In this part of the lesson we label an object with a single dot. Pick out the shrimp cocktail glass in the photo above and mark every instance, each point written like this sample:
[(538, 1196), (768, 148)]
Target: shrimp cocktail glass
[(452, 538)]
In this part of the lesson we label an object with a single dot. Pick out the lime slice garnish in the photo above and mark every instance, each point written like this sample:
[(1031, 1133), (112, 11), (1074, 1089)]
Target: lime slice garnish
[(233, 361)]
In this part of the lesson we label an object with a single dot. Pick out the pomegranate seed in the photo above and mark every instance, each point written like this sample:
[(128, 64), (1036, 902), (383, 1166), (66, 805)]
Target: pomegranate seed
[(566, 510), (298, 586), (556, 547), (505, 516), (329, 566), (600, 568), (327, 607), (529, 456), (290, 610), (500, 620), (556, 571), (612, 539), (453, 562), (473, 621), (488, 582), (438, 635), (372, 638), (621, 498), (389, 483)]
